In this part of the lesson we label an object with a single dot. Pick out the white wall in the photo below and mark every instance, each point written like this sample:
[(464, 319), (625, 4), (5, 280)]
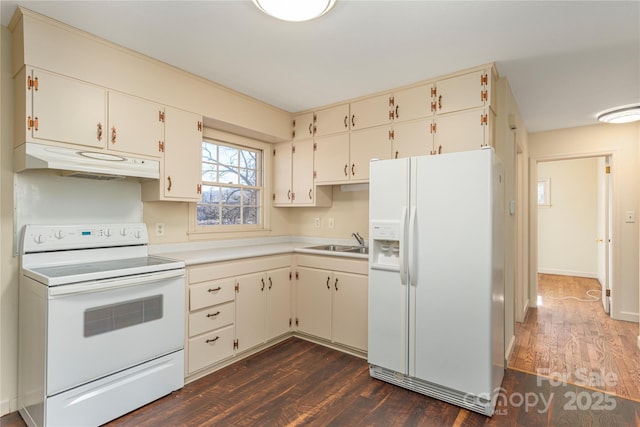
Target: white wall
[(567, 229), (622, 142)]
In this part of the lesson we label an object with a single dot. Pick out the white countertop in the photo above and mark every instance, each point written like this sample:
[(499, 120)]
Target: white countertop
[(193, 253)]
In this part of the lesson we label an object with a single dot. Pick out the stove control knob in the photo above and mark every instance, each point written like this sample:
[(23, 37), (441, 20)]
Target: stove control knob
[(40, 238), (59, 234)]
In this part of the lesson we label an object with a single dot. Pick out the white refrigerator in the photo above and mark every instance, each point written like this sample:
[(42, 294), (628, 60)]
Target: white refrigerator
[(436, 276)]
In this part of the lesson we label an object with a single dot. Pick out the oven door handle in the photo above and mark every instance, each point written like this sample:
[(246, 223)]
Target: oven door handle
[(119, 282)]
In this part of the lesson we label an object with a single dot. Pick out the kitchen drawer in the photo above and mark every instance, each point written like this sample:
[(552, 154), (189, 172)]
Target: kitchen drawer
[(211, 293), (219, 347), (211, 318)]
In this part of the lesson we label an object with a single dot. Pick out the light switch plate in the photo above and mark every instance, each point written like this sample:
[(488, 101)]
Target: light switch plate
[(630, 216)]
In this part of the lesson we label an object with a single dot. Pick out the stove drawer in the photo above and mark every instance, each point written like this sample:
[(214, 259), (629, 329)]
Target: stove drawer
[(211, 348), (211, 293), (211, 318)]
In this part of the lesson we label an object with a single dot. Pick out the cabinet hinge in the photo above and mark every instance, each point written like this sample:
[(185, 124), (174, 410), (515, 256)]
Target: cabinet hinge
[(290, 321), (315, 118), (392, 101), (391, 115), (274, 151), (273, 197), (608, 292), (32, 83), (315, 146), (235, 344), (32, 123), (433, 127), (484, 95), (293, 196), (607, 170), (297, 322), (161, 146), (434, 106), (199, 126), (297, 276), (237, 287), (392, 135), (293, 149), (434, 91), (199, 188), (315, 174), (294, 124), (484, 79), (484, 119), (161, 116)]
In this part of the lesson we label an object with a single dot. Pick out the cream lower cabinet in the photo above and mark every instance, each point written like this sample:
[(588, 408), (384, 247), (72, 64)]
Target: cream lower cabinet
[(332, 304), (235, 306)]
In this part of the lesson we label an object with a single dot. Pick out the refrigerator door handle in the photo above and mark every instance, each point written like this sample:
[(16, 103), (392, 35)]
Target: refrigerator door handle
[(412, 248), (401, 255)]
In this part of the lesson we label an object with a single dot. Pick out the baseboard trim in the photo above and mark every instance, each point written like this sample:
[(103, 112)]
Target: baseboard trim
[(7, 406), (639, 341), (560, 272), (509, 349)]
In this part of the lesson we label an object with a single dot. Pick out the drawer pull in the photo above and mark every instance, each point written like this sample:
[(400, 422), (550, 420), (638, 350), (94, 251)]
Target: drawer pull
[(209, 341), (214, 289), (213, 314)]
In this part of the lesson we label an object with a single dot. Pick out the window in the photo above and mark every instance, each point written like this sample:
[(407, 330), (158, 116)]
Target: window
[(544, 193), (231, 186)]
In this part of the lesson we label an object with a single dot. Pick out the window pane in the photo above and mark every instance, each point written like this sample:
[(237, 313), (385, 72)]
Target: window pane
[(248, 177), (228, 175), (210, 194), (228, 156), (230, 215), (248, 159), (250, 215), (208, 214), (250, 197), (230, 196), (209, 172), (209, 152)]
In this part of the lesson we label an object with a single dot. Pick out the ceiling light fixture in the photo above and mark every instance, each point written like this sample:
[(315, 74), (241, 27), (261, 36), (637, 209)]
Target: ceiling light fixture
[(295, 10), (624, 114)]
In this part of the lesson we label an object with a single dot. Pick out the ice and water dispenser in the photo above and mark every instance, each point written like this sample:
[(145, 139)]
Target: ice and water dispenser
[(385, 245)]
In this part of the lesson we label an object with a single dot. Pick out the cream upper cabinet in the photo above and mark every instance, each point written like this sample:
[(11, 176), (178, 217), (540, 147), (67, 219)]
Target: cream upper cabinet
[(303, 126), (50, 107), (349, 314), (181, 166), (135, 125), (332, 120), (373, 111), (412, 103), (365, 145), (412, 138), (282, 173), (293, 183), (332, 158), (463, 131), (466, 91)]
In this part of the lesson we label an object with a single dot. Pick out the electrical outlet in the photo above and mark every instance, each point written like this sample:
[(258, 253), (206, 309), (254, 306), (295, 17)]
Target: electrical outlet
[(630, 216), (331, 222), (316, 222), (159, 228)]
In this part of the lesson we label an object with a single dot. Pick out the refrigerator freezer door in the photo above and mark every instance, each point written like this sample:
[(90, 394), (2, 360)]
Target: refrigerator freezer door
[(387, 294), (451, 319)]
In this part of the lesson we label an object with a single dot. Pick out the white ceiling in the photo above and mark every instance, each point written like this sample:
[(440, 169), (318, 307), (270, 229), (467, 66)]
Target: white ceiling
[(565, 61)]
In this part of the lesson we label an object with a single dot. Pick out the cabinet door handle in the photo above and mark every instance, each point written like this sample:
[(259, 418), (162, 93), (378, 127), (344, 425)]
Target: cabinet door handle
[(396, 154), (212, 340), (439, 102), (346, 121), (397, 106), (270, 283), (353, 165), (169, 185), (345, 170), (99, 131), (213, 314), (353, 120), (310, 196), (328, 278), (262, 288), (113, 135), (310, 128), (336, 284), (214, 289), (289, 195)]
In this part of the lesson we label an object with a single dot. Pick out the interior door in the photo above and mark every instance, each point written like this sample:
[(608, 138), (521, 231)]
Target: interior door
[(602, 238)]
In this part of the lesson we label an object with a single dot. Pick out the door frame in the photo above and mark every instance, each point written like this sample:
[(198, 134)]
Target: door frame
[(614, 254)]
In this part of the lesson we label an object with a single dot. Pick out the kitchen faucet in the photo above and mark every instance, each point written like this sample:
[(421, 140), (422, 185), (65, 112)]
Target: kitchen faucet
[(359, 238)]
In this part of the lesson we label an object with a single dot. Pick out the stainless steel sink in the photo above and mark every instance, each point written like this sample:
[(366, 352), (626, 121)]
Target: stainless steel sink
[(341, 248)]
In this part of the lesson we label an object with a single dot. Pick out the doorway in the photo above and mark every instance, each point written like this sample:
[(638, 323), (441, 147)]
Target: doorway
[(574, 201)]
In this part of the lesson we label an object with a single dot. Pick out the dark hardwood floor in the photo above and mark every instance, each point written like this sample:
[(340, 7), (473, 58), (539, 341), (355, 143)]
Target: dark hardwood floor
[(301, 383)]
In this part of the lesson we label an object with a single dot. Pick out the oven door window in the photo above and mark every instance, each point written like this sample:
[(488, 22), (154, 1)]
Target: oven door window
[(93, 334)]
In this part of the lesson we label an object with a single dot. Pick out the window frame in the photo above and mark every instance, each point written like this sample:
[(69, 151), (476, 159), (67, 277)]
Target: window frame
[(263, 169)]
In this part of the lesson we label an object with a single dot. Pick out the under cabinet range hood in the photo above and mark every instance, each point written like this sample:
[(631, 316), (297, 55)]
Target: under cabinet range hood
[(83, 163)]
